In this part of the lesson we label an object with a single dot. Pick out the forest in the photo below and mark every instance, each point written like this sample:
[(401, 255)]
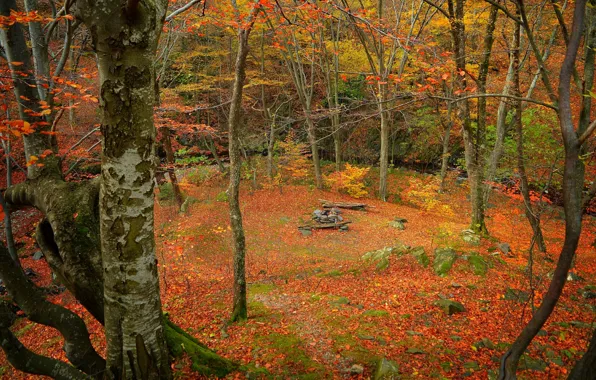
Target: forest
[(297, 189)]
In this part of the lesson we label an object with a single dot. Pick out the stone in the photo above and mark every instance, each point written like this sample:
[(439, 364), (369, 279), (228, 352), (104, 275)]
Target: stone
[(386, 369), (305, 231), (504, 247), (588, 294), (527, 362), (572, 276), (415, 351), (341, 301), (443, 261), (455, 285), (470, 236), (450, 307), (37, 255), (366, 337), (485, 343), (420, 255), (413, 333), (356, 369), (516, 295), (344, 228), (478, 264), (397, 225), (472, 365)]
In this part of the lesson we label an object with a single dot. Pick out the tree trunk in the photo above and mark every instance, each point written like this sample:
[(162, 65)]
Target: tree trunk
[(77, 346), (239, 309), (167, 145), (585, 368), (573, 180), (36, 143), (314, 148), (24, 360), (445, 155), (8, 230), (531, 215), (125, 42)]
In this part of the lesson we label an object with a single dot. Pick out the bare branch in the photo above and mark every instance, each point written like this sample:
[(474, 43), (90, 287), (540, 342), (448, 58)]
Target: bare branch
[(183, 9), (587, 133), (529, 100)]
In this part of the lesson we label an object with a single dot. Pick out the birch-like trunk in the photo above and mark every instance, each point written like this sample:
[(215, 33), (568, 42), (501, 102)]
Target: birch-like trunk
[(125, 42)]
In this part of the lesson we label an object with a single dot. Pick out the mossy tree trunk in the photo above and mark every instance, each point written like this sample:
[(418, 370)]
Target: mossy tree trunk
[(125, 42)]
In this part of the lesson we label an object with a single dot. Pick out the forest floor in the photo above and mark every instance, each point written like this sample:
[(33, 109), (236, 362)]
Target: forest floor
[(318, 310)]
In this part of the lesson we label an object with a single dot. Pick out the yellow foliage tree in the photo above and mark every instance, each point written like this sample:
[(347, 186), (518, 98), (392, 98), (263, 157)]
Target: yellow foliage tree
[(349, 181)]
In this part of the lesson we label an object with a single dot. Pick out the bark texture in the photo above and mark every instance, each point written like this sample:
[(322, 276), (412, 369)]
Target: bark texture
[(239, 309), (125, 40)]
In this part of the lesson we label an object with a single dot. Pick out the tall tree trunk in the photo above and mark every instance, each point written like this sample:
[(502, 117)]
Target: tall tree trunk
[(270, 148), (382, 98), (445, 155), (531, 215), (36, 143), (475, 171), (125, 42), (573, 181), (167, 145), (239, 309), (314, 148)]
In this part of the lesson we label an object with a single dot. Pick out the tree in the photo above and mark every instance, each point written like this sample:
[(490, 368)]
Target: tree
[(574, 139), (125, 42), (239, 310)]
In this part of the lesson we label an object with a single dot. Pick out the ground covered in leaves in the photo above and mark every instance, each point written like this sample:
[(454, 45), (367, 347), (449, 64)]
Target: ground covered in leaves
[(318, 309)]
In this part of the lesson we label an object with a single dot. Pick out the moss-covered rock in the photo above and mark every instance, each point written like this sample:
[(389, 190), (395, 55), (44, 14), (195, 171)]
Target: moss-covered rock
[(386, 369), (478, 265), (450, 307), (443, 261), (420, 255)]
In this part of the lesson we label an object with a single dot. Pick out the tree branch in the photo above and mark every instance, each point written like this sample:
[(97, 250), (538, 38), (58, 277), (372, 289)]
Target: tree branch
[(182, 9), (529, 100), (587, 133)]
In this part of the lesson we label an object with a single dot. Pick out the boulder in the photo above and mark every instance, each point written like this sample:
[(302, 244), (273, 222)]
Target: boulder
[(356, 369), (478, 265), (420, 255), (386, 369), (397, 225), (505, 248), (470, 237), (443, 261), (450, 307)]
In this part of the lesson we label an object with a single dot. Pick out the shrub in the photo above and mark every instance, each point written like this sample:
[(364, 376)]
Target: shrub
[(349, 181)]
